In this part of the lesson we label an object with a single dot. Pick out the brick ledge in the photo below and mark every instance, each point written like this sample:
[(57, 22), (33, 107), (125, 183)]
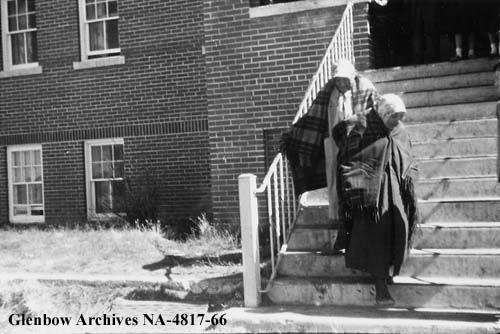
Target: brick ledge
[(299, 6)]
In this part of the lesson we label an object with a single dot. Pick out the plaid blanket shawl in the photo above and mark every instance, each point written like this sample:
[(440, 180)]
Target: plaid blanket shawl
[(364, 158), (303, 144)]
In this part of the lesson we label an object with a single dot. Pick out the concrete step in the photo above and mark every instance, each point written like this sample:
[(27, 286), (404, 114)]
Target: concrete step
[(452, 167), (450, 96), (317, 215), (452, 112), (478, 263), (312, 238), (480, 294), (458, 235), (317, 319), (460, 147), (458, 187), (431, 235), (453, 129), (481, 209), (430, 70), (486, 209), (437, 83)]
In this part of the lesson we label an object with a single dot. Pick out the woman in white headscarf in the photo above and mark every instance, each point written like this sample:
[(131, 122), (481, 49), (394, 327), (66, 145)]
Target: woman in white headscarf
[(377, 199), (351, 98), (346, 96)]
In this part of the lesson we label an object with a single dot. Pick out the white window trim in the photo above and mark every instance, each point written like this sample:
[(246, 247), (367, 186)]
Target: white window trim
[(98, 62), (85, 62), (10, 70), (91, 214), (23, 219)]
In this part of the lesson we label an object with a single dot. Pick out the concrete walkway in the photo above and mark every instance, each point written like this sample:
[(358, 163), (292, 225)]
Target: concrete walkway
[(197, 284), (299, 319), (160, 316), (312, 319)]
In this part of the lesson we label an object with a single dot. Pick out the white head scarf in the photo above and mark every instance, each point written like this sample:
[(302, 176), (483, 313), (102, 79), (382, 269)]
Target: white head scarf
[(390, 104), (344, 69)]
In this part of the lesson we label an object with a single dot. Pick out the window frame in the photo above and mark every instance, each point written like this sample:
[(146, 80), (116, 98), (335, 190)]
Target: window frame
[(23, 219), (85, 37), (91, 201), (9, 69)]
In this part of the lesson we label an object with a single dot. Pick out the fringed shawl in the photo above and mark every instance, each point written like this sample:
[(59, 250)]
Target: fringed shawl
[(364, 158), (303, 143)]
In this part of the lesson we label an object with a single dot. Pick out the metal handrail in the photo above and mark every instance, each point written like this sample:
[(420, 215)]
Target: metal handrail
[(277, 183), (341, 47)]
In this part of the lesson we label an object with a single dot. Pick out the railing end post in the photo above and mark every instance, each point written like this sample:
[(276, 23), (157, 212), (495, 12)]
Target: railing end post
[(249, 220)]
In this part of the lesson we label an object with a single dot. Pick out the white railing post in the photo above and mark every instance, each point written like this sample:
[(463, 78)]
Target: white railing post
[(249, 218)]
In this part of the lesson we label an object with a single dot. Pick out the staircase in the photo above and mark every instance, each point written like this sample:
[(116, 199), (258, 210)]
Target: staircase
[(455, 263)]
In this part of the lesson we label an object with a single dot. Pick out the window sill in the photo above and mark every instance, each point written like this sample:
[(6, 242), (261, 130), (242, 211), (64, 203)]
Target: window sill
[(298, 6), (99, 62), (30, 220), (21, 71)]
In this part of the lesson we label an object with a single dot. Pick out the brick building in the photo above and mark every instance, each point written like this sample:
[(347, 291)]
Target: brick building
[(260, 61), (99, 94)]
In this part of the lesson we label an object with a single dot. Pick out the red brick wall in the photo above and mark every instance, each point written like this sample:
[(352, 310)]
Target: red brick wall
[(258, 72), (156, 100)]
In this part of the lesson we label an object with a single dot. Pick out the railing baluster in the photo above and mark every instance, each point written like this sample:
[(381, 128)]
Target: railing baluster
[(341, 41), (282, 199), (351, 33), (344, 35), (270, 217), (277, 211), (287, 183)]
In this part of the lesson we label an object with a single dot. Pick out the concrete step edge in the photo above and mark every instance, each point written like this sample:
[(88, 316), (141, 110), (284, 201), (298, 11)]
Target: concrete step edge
[(459, 199), (429, 225), (452, 225), (450, 139), (468, 104), (398, 280), (422, 252), (468, 157), (458, 178), (453, 122), (485, 72), (447, 89), (415, 71), (322, 205)]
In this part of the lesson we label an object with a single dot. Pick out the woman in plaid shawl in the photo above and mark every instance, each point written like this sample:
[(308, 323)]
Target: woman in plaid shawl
[(377, 199), (309, 142)]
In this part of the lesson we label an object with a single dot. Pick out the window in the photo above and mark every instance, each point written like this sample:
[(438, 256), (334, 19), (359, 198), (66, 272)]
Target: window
[(25, 175), (105, 172), (19, 35), (99, 28)]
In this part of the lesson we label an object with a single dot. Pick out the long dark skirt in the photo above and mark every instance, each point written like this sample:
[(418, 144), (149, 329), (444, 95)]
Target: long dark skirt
[(379, 248)]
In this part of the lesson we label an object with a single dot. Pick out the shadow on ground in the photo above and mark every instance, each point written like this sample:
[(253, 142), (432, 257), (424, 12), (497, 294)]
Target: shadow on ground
[(170, 261)]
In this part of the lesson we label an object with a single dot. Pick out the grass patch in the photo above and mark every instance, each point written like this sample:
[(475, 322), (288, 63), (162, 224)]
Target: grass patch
[(80, 252), (111, 251), (35, 298), (123, 252)]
